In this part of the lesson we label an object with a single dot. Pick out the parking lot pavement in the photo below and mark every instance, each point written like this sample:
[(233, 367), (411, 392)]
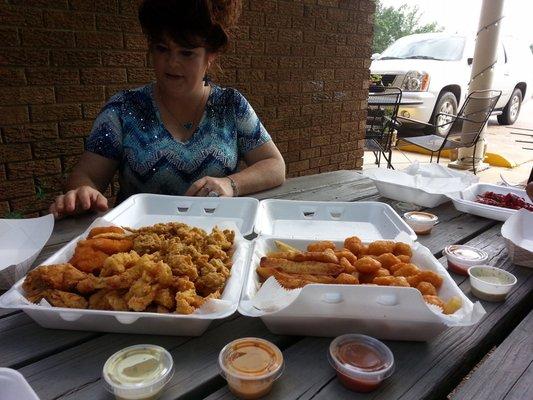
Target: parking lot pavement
[(500, 141)]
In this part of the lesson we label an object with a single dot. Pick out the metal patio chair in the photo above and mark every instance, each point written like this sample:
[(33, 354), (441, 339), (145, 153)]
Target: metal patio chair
[(472, 118), (381, 123)]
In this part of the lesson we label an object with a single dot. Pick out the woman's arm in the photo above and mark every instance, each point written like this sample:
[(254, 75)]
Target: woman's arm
[(85, 185), (266, 169)]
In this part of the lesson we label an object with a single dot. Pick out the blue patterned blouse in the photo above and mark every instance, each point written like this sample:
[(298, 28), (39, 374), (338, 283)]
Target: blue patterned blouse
[(129, 129)]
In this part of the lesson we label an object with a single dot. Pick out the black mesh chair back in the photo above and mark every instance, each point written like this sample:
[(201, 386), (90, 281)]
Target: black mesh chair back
[(381, 121), (472, 117)]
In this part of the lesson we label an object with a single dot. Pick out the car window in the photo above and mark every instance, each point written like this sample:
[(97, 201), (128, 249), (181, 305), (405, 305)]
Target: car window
[(437, 48)]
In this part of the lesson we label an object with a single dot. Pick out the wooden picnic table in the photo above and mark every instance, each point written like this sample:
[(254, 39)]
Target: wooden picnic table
[(62, 364)]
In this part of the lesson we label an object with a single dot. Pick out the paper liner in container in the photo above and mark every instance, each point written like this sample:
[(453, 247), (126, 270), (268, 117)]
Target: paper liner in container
[(136, 322), (518, 234), (13, 385), (465, 201), (385, 312), (21, 241), (426, 185)]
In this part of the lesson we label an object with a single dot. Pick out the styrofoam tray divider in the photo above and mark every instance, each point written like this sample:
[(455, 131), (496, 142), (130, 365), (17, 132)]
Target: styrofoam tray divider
[(135, 215), (203, 212), (329, 220), (392, 313), (465, 201)]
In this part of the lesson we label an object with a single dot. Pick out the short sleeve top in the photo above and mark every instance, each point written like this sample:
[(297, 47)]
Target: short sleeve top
[(129, 129)]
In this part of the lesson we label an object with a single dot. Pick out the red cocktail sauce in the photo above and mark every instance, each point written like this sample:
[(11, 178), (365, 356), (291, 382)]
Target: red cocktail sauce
[(364, 358)]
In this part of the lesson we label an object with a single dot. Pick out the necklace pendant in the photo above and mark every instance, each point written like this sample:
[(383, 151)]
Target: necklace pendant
[(188, 126)]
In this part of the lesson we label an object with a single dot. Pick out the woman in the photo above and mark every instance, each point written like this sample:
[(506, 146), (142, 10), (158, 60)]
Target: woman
[(180, 135)]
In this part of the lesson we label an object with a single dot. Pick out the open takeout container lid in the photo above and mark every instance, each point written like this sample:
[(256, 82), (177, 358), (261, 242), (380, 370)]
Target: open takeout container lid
[(518, 234), (21, 241), (314, 220), (203, 212)]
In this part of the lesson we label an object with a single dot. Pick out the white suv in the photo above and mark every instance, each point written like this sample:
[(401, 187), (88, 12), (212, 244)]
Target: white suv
[(433, 70)]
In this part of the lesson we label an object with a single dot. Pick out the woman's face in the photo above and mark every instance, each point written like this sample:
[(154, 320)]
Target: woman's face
[(179, 70)]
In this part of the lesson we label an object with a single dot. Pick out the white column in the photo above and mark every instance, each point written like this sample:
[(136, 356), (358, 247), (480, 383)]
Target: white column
[(485, 56)]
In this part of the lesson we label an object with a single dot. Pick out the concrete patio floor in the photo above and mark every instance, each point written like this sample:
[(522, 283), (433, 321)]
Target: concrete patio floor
[(499, 141)]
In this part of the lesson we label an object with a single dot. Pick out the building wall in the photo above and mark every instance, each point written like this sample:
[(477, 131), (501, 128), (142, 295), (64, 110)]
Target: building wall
[(302, 64)]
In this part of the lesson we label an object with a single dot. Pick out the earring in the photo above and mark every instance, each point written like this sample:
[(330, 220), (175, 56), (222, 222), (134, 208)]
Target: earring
[(206, 79)]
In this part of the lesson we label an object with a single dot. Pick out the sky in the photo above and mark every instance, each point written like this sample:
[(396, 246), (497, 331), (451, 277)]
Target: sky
[(463, 15)]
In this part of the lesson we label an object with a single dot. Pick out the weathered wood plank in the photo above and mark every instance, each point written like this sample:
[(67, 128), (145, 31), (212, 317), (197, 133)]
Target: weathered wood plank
[(522, 387), (498, 375), (195, 361), (23, 340), (301, 184)]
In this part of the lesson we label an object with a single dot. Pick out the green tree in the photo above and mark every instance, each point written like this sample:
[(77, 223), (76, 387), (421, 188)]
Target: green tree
[(393, 23)]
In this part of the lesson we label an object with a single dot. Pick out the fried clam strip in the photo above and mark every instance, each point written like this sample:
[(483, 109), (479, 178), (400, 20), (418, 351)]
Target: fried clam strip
[(302, 267)]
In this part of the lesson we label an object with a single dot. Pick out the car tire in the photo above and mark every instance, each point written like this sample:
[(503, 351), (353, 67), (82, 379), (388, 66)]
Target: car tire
[(447, 103), (512, 109)]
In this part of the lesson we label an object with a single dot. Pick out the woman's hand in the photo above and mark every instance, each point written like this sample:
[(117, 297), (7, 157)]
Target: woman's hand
[(81, 199), (215, 186)]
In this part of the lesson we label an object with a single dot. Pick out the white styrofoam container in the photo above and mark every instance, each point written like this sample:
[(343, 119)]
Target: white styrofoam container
[(465, 201), (143, 210), (409, 194), (405, 185), (391, 313), (369, 220), (21, 241), (518, 234), (14, 386)]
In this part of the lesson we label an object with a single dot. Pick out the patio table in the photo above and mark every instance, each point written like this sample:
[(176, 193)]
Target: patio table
[(62, 364)]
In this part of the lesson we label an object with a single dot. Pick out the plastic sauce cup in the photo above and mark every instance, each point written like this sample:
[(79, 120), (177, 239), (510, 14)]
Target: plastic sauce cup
[(361, 361), (461, 257), (250, 366), (490, 283), (421, 222), (138, 372)]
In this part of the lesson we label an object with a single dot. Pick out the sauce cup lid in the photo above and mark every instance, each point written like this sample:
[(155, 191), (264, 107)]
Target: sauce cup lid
[(465, 255), (138, 371), (478, 272), (420, 216), (251, 358), (361, 356)]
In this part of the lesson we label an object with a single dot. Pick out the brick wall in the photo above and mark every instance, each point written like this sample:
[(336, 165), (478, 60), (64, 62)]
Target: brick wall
[(303, 65)]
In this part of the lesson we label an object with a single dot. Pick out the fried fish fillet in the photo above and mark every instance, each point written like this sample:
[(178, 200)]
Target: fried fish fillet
[(304, 267)]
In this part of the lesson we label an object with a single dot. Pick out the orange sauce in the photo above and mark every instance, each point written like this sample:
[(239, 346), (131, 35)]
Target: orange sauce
[(251, 367)]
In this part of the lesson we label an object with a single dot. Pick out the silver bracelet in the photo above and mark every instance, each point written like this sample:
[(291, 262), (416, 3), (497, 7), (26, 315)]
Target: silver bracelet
[(233, 187)]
